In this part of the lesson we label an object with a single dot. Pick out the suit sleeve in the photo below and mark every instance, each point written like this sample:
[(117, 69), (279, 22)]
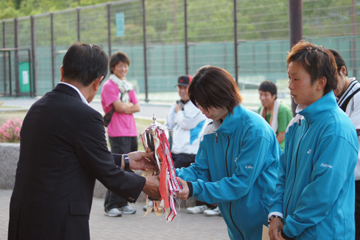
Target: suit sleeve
[(92, 151), (333, 168)]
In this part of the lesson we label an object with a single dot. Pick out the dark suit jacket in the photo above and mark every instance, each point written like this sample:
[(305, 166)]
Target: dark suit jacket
[(62, 151)]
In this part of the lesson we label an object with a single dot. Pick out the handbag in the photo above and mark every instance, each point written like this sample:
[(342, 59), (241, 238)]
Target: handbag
[(108, 116)]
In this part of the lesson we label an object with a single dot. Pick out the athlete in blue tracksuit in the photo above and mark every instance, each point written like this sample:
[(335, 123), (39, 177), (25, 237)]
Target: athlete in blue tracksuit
[(236, 164), (315, 192)]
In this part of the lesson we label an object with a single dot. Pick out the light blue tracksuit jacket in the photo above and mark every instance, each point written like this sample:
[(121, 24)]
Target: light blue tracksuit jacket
[(316, 187), (236, 167)]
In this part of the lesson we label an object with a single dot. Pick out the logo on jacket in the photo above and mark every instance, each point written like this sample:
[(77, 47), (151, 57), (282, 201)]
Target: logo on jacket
[(308, 152), (325, 165), (249, 166)]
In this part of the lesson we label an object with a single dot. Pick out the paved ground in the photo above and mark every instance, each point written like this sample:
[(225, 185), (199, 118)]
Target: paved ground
[(185, 226)]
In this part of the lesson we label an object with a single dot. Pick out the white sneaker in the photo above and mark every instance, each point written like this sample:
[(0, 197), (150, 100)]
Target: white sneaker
[(113, 213), (213, 212), (127, 210), (197, 209)]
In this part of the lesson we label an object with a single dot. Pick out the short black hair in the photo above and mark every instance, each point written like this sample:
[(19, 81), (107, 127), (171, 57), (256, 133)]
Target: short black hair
[(340, 62), (84, 63), (268, 86), (118, 57), (317, 61), (214, 87)]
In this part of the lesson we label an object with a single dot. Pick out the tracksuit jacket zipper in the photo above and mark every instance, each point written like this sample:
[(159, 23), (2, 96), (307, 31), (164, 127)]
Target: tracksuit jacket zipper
[(227, 171), (297, 152)]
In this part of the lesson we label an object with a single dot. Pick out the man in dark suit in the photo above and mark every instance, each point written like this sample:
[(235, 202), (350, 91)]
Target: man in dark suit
[(63, 150)]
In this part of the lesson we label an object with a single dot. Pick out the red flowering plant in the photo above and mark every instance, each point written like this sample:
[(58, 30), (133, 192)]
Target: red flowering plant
[(10, 131)]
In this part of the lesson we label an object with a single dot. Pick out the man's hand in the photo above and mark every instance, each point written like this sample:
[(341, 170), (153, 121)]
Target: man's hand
[(151, 187), (276, 225), (178, 107), (140, 160), (183, 194)]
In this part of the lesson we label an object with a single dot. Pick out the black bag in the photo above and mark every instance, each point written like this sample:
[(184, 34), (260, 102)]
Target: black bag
[(108, 116)]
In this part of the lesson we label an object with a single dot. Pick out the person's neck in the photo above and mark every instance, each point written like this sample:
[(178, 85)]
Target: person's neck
[(84, 90), (346, 85), (268, 110)]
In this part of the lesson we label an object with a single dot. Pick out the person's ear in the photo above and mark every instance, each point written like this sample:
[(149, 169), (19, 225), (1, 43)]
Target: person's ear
[(321, 83), (343, 71), (61, 73), (97, 83)]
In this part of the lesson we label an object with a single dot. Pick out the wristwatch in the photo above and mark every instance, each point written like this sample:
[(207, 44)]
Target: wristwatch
[(271, 217), (127, 162)]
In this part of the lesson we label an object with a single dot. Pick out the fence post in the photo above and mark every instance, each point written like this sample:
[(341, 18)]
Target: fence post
[(296, 30), (4, 45), (33, 55), (186, 38), (52, 49), (145, 51), (354, 39), (236, 45), (16, 44), (78, 23), (109, 27)]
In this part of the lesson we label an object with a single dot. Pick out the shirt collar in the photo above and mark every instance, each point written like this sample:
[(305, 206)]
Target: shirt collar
[(78, 91)]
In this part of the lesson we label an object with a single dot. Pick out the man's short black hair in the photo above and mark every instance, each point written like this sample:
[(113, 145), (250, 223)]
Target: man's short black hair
[(340, 62), (268, 86), (84, 63)]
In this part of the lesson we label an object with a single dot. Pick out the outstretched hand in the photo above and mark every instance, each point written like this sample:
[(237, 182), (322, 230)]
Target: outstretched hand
[(151, 187), (184, 193), (140, 160)]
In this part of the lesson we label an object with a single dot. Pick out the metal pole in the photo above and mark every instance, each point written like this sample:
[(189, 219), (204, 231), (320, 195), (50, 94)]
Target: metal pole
[(16, 44), (236, 45), (296, 29), (109, 27), (33, 56), (4, 45), (9, 58), (186, 39), (145, 52), (175, 38), (52, 49), (354, 39), (78, 23), (30, 73)]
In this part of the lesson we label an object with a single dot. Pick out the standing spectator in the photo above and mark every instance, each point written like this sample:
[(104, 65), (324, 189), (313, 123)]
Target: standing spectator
[(186, 121), (236, 164), (118, 94), (314, 196), (277, 114), (348, 99), (63, 151)]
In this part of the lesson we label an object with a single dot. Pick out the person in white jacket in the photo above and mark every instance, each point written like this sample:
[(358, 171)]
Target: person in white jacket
[(186, 122)]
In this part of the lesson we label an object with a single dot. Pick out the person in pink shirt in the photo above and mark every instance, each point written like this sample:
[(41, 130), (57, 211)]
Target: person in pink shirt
[(119, 94)]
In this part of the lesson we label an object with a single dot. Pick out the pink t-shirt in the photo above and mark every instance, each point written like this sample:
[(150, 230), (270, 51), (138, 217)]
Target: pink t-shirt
[(122, 124)]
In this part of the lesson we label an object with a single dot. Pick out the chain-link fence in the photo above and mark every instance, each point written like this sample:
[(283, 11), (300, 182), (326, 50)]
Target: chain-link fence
[(168, 38)]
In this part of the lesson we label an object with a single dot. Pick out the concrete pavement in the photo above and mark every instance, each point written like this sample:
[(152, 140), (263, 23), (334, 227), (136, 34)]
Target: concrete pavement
[(136, 226)]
